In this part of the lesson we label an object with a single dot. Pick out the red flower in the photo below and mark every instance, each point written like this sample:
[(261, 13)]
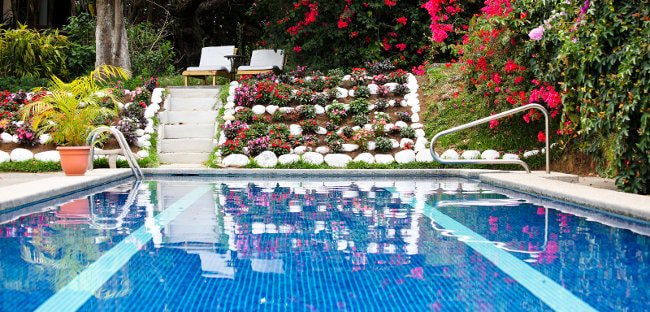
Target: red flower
[(390, 3), (402, 20), (342, 24), (541, 137), (494, 123), (401, 46), (297, 49)]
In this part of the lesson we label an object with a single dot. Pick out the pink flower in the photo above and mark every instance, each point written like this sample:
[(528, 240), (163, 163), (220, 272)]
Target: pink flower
[(537, 33), (402, 20), (297, 49), (494, 123), (401, 46), (390, 3)]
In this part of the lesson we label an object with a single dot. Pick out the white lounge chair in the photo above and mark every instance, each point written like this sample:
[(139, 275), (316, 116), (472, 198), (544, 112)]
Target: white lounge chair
[(213, 62), (263, 61)]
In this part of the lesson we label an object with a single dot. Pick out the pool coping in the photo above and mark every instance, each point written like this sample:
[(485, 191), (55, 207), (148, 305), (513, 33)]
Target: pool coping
[(556, 186)]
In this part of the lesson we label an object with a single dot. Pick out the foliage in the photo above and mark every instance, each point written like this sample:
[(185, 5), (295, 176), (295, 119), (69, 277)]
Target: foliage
[(336, 112), (407, 132), (26, 52), (383, 144), (81, 34), (70, 110), (359, 106), (14, 84), (151, 54)]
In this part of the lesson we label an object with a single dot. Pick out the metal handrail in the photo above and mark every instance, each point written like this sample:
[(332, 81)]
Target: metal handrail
[(488, 119), (124, 146)]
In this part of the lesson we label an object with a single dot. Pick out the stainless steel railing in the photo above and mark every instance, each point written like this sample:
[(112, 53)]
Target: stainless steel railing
[(124, 146), (486, 120)]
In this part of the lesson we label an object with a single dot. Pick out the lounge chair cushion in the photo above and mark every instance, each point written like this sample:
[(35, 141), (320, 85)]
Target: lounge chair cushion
[(265, 59), (214, 58)]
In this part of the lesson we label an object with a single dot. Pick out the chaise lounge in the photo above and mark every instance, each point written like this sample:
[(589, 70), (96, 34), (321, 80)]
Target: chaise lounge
[(213, 62), (264, 61)]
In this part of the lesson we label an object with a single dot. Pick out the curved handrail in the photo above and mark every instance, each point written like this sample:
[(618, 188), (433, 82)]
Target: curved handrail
[(124, 146), (488, 119)]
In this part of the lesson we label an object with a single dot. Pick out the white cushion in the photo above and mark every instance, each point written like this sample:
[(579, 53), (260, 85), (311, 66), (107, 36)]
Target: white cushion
[(256, 67), (267, 58), (215, 57)]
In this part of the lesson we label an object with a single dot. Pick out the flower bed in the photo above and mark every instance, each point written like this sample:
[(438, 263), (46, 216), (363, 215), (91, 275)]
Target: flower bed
[(19, 142), (371, 116)]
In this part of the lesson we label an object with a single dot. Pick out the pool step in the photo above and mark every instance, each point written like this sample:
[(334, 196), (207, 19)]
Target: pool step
[(184, 158)]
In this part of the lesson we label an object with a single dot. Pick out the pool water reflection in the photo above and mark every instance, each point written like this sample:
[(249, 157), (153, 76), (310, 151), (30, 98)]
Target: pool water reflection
[(360, 246)]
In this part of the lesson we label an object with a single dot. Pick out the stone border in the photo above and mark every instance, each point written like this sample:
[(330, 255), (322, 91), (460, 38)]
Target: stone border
[(554, 187)]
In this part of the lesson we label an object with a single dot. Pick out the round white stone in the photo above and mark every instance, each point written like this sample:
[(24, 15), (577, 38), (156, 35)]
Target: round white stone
[(272, 109), (323, 150), (149, 114), (420, 147), (403, 103), (341, 93), (295, 129), (4, 157), (299, 150), (142, 154), (43, 138), (391, 103), (417, 125), (367, 127), (235, 160), (313, 158), (384, 159), (229, 105), (234, 83), (48, 156), (415, 117), (319, 109), (405, 156), (391, 86), (148, 130), (401, 124), (450, 154), (404, 141), (388, 126), (424, 156), (351, 92), (419, 133), (259, 109), (6, 137), (288, 159), (365, 157), (531, 153), (337, 160), (349, 147), (266, 159), (347, 77), (510, 156), (21, 154), (490, 154), (415, 109), (373, 88), (321, 130), (372, 145), (471, 154), (228, 117), (139, 132), (413, 102), (395, 143)]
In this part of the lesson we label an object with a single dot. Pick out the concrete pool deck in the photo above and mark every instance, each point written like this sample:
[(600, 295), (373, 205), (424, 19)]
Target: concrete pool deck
[(37, 188)]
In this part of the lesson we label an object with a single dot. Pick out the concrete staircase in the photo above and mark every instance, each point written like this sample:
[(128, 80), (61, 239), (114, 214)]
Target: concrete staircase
[(187, 126)]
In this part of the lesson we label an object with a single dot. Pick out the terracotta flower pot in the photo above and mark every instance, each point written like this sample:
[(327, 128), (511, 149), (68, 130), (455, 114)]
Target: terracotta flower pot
[(74, 159)]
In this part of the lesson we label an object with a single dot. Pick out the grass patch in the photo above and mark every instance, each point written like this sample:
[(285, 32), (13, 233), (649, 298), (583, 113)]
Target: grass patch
[(30, 166)]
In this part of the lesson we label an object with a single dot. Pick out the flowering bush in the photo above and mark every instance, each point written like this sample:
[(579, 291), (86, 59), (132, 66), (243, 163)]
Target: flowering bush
[(383, 144), (407, 132), (334, 142), (128, 127), (231, 130), (280, 147), (362, 137), (26, 136), (404, 116), (361, 92), (234, 146), (258, 145), (336, 113), (309, 126), (381, 104), (359, 107), (360, 120), (245, 95)]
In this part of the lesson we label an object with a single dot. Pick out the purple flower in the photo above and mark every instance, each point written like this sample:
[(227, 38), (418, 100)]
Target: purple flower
[(584, 8), (537, 33)]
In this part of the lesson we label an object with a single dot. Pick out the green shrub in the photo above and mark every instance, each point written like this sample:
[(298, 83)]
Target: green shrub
[(13, 84), (26, 52), (407, 132), (383, 144), (151, 54), (359, 106), (81, 34)]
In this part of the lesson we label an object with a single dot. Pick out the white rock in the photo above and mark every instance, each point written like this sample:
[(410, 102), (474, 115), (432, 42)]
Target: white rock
[(405, 156), (403, 103), (415, 117), (285, 109), (259, 109), (422, 140), (490, 154), (319, 109), (420, 147), (148, 130), (21, 154), (142, 154), (367, 127), (235, 160), (388, 126), (471, 154), (509, 156), (229, 105), (12, 138), (299, 150), (337, 160), (43, 138), (371, 107), (372, 145), (373, 88), (404, 141), (384, 159), (323, 150), (424, 156), (391, 86), (234, 83), (415, 109), (391, 103), (6, 137), (156, 98), (349, 147), (356, 128), (149, 114), (266, 159), (313, 158), (139, 132), (295, 129), (531, 153), (419, 133), (395, 143), (288, 159), (401, 124), (413, 101), (341, 93), (48, 156), (417, 125), (4, 157), (450, 154), (154, 107), (347, 77), (365, 157), (227, 117), (239, 108), (272, 109), (351, 92), (321, 130)]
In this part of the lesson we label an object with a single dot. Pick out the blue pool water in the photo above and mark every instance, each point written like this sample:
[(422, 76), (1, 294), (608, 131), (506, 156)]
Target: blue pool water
[(425, 245)]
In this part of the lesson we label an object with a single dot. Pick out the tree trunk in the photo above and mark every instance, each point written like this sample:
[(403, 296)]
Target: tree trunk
[(112, 44)]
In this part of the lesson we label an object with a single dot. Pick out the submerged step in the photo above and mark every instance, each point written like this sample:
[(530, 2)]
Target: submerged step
[(186, 145)]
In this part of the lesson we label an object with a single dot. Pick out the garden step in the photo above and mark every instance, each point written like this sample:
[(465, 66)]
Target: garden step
[(184, 158), (191, 117), (203, 131), (192, 104), (194, 92), (186, 145)]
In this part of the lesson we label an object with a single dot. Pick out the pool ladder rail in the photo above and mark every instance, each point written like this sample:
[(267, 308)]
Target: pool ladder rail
[(124, 147), (486, 120)]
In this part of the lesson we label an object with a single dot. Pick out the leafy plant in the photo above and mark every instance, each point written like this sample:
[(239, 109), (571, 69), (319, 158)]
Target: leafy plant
[(407, 132), (362, 92), (336, 112), (151, 54), (359, 106), (26, 52), (383, 144), (69, 111)]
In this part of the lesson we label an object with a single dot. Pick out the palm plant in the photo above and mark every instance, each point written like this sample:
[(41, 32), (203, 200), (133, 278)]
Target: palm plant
[(70, 110)]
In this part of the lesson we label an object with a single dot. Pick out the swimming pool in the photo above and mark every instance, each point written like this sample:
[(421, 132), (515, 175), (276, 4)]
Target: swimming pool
[(366, 245)]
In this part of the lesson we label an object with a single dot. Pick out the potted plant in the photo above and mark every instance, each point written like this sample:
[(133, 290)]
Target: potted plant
[(69, 111)]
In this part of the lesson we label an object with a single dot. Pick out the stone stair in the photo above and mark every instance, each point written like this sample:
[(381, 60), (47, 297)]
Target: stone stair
[(187, 126)]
